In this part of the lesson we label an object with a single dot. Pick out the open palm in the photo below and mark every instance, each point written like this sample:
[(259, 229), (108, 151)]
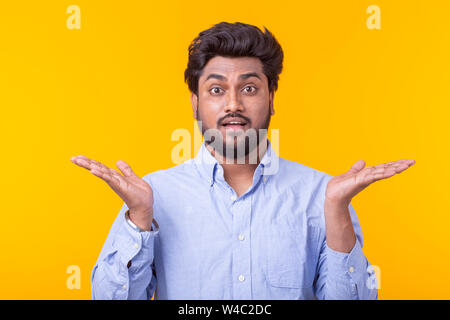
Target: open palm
[(342, 188), (133, 190)]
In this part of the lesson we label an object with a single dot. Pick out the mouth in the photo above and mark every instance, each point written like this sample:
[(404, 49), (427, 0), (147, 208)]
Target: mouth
[(232, 124)]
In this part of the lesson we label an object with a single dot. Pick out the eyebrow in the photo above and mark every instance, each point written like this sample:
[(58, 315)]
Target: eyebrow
[(243, 76)]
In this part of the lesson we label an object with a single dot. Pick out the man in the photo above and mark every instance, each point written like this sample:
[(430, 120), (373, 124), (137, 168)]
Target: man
[(236, 222)]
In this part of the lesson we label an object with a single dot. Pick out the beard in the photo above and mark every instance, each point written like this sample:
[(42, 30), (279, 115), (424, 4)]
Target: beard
[(242, 144)]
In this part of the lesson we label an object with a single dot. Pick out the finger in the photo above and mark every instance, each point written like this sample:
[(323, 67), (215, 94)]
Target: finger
[(362, 177), (99, 164), (370, 174), (408, 162), (112, 179), (385, 170), (90, 164), (125, 168), (399, 166), (357, 167), (75, 158), (110, 172), (93, 165), (81, 162), (100, 170), (382, 173), (81, 156), (387, 166), (384, 165)]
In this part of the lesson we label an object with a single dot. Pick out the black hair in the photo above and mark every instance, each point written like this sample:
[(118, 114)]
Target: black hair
[(234, 40)]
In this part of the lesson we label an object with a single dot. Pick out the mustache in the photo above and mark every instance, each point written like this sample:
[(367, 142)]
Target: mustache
[(233, 115)]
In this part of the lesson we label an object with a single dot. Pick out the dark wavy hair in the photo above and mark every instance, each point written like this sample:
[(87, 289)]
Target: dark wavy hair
[(234, 40)]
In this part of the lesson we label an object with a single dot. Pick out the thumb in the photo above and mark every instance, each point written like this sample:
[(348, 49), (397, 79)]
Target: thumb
[(357, 166), (125, 168)]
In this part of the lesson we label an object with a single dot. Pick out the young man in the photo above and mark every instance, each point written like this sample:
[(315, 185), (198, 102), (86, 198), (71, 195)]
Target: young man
[(221, 226)]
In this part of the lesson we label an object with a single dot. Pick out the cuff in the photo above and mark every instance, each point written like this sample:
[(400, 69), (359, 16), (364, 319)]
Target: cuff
[(129, 242), (344, 265)]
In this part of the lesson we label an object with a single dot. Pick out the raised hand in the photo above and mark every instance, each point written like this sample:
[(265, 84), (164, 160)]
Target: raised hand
[(342, 188), (340, 191), (134, 191)]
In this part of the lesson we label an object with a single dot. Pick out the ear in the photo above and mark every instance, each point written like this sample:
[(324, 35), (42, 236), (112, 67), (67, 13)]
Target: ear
[(194, 101), (271, 97)]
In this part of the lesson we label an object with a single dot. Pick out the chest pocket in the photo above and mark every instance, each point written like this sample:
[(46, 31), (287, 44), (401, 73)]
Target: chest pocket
[(292, 256)]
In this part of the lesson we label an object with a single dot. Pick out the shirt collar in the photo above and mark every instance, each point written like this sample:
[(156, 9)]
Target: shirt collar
[(207, 163)]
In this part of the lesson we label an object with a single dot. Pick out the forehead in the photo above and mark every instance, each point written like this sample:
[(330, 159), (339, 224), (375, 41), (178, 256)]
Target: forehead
[(229, 66)]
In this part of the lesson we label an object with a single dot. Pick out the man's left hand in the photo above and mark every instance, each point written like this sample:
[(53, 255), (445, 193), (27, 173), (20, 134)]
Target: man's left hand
[(342, 188)]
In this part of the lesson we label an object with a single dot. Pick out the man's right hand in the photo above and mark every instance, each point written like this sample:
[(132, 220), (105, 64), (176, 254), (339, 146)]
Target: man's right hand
[(135, 191)]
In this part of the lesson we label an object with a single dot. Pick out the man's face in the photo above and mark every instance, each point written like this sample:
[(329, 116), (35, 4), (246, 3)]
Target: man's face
[(233, 97)]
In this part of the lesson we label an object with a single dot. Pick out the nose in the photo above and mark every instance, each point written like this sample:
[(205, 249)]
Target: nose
[(233, 103)]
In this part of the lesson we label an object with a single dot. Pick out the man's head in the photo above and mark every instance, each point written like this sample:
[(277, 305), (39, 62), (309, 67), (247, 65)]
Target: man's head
[(232, 73)]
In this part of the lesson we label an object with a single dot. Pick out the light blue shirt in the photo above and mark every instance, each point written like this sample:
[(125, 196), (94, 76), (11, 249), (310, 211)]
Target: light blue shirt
[(269, 243)]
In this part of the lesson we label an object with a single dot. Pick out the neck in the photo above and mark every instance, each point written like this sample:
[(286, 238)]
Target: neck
[(240, 175)]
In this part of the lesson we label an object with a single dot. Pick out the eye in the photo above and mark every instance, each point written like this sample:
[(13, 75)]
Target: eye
[(215, 91), (251, 91)]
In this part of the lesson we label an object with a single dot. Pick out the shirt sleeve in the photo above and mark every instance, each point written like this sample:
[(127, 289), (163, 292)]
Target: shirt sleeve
[(346, 276), (125, 268)]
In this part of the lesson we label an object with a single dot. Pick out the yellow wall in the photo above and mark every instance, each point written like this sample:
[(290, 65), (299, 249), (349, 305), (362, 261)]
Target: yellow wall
[(114, 90)]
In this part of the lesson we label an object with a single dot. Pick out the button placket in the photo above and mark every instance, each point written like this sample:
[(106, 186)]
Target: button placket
[(241, 249)]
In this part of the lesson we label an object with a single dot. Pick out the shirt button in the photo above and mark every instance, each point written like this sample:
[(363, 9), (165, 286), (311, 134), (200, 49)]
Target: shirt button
[(233, 198), (136, 245), (241, 278), (124, 286), (241, 237), (265, 179), (351, 269)]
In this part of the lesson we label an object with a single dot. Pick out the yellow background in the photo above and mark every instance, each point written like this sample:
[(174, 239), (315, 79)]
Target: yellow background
[(114, 90)]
